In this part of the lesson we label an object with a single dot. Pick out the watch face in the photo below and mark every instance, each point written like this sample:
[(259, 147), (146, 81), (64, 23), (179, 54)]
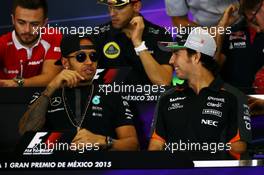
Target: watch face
[(109, 141), (20, 82)]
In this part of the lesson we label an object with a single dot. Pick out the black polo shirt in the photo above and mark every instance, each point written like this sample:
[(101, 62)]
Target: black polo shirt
[(244, 51), (105, 112), (117, 50), (217, 114)]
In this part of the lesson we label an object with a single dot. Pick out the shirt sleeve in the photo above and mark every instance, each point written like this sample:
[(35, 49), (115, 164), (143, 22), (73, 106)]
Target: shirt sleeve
[(34, 97), (54, 52), (243, 120), (158, 131), (176, 7), (159, 55), (240, 124), (122, 114)]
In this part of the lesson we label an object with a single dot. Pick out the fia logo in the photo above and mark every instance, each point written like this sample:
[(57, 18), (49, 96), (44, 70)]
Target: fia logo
[(42, 143), (35, 148)]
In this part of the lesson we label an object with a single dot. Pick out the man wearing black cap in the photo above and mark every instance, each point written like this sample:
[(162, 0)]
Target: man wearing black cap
[(205, 110), (72, 102), (130, 40)]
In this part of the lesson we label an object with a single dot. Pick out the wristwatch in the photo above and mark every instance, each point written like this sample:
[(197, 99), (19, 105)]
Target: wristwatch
[(19, 81), (109, 142)]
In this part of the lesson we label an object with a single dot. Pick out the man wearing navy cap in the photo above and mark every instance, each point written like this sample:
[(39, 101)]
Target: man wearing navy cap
[(130, 40), (205, 109), (71, 101)]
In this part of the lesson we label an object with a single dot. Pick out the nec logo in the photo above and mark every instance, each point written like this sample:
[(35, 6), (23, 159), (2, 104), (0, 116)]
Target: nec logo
[(209, 122)]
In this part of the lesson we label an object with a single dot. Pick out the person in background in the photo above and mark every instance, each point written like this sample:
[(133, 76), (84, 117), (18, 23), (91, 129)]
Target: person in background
[(26, 57), (241, 54), (130, 40), (204, 13)]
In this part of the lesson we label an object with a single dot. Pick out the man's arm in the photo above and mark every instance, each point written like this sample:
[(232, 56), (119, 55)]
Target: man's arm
[(182, 21), (260, 18), (158, 74), (156, 145), (49, 71), (238, 147), (227, 20), (126, 138), (239, 125), (256, 106), (34, 118)]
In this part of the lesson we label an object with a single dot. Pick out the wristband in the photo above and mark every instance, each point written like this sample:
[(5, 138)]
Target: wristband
[(140, 48)]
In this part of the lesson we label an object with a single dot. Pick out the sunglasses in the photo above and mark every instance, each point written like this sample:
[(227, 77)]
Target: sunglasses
[(116, 2), (82, 57)]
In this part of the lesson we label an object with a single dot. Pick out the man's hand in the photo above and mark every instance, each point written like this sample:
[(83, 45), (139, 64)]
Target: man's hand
[(67, 78), (8, 83), (256, 106), (229, 16), (137, 27), (84, 136), (260, 18)]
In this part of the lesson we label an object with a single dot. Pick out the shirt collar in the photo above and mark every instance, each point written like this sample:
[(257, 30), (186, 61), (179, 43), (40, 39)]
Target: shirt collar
[(217, 84), (18, 45)]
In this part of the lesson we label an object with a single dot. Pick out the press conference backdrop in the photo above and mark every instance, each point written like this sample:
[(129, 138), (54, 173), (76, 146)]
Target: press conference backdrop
[(85, 13)]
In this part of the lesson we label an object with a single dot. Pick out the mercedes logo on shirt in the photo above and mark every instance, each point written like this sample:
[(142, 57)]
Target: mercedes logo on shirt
[(56, 101)]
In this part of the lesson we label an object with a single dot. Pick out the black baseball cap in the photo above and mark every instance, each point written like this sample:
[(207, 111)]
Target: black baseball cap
[(116, 3), (71, 43)]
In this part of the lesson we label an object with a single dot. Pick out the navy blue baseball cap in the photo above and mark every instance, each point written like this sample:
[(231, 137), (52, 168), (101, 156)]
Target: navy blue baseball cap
[(71, 43), (116, 3)]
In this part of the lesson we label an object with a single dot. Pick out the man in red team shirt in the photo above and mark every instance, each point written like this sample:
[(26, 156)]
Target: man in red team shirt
[(26, 57)]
